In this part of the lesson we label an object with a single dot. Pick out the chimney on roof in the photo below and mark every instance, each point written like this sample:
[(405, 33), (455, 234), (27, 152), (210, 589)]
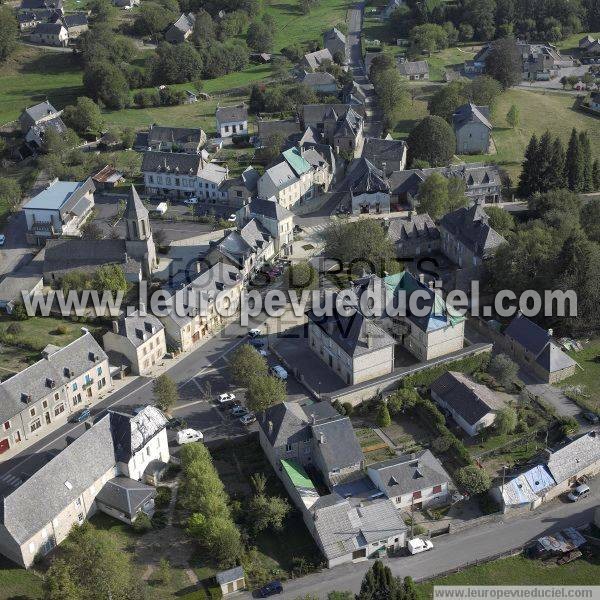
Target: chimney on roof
[(270, 425), (198, 267), (115, 326), (421, 278), (550, 332), (369, 339)]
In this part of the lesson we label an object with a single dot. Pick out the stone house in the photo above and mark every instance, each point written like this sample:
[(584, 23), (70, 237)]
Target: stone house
[(344, 132), (414, 236), (232, 120), (181, 30), (161, 138), (335, 41), (40, 512), (320, 82), (387, 155), (417, 70), (472, 129), (59, 210), (197, 310), (533, 347), (241, 189), (50, 390), (137, 341), (355, 347), (313, 60), (50, 34), (367, 188), (412, 480), (75, 23), (41, 5), (472, 405)]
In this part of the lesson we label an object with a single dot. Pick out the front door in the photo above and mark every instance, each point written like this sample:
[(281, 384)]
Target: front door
[(4, 445), (47, 417)]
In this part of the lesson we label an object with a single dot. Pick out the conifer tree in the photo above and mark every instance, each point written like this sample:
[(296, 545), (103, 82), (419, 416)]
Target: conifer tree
[(556, 174), (544, 164), (596, 175), (586, 155), (574, 163), (529, 179)]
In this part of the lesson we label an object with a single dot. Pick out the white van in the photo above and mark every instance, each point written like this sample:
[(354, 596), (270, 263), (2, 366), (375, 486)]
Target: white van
[(279, 372), (418, 545), (161, 209), (187, 436), (581, 491)]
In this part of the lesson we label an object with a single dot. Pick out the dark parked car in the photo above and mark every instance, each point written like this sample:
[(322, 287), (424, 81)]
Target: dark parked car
[(176, 423), (81, 416), (257, 343), (270, 589), (591, 417)]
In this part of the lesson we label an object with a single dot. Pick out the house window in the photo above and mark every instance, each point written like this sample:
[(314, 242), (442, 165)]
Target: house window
[(6, 425), (74, 386), (45, 403), (416, 495), (56, 396), (99, 371), (17, 437), (437, 489), (77, 400), (78, 502), (59, 409), (288, 448), (81, 518), (32, 412), (35, 425)]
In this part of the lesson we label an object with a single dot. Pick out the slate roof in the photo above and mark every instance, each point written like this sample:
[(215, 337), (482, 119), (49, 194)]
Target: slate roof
[(269, 209), (48, 28), (268, 127), (238, 245), (410, 473), (40, 4), (175, 135), (317, 79), (77, 19), (172, 162), (229, 576), (553, 359), (60, 195), (470, 113), (470, 226), (528, 334), (406, 182), (139, 329), (315, 59), (281, 175), (61, 366), (348, 124), (230, 114), (39, 499), (312, 114), (411, 68), (185, 23), (381, 150), (574, 456), (337, 443), (130, 433), (411, 228), (135, 208), (472, 401), (364, 178), (125, 495), (334, 33)]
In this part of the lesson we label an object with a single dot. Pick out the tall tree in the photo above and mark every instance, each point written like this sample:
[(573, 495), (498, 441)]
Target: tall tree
[(556, 172), (379, 584), (246, 363), (529, 180), (432, 140), (513, 116), (165, 392), (586, 157), (9, 31), (504, 62), (264, 391), (574, 163)]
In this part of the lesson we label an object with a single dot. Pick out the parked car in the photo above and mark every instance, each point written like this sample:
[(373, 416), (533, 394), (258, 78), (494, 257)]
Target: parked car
[(254, 333), (239, 411), (418, 545), (192, 200), (81, 416), (186, 436), (257, 343), (176, 423), (2, 239), (264, 353), (161, 208), (270, 589), (224, 398), (279, 372), (581, 491), (231, 218), (593, 418), (247, 419)]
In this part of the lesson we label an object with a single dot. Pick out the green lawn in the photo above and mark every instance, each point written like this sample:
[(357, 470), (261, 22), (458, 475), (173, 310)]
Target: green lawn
[(294, 27), (589, 376), (31, 75), (439, 62), (570, 45), (18, 583), (518, 570)]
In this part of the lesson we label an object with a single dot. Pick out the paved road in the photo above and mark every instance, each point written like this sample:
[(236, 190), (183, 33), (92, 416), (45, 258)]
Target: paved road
[(15, 252), (453, 551)]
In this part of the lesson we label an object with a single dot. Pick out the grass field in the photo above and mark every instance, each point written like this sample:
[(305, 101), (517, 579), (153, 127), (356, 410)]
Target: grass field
[(518, 570), (294, 27), (19, 583), (571, 44), (590, 375)]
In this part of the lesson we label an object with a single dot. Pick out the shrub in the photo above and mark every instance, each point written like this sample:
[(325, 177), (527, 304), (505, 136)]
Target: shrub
[(14, 329), (383, 416), (163, 496), (142, 523), (473, 480), (61, 330), (159, 520), (348, 408)]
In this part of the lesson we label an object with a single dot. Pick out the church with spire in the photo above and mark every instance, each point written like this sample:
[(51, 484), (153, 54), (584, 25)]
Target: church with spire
[(136, 253)]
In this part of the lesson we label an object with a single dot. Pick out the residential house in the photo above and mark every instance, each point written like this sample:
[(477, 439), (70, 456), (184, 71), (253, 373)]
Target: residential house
[(472, 405), (49, 391), (320, 82), (289, 181), (440, 330), (36, 119), (181, 175), (126, 4), (37, 6), (592, 51), (526, 491), (99, 470), (107, 178), (344, 132), (241, 189), (387, 155), (414, 236), (232, 120), (50, 34), (197, 309), (533, 347), (277, 220), (136, 341), (59, 210), (29, 19), (313, 115), (416, 70), (412, 481), (136, 253), (161, 138), (335, 41), (585, 42), (467, 237), (322, 161), (75, 24), (269, 127), (354, 347), (367, 188), (313, 60), (181, 30), (472, 129), (351, 522), (247, 249)]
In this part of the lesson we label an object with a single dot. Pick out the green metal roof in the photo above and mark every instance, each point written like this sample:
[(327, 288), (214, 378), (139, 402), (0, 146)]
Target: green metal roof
[(297, 163), (297, 474)]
